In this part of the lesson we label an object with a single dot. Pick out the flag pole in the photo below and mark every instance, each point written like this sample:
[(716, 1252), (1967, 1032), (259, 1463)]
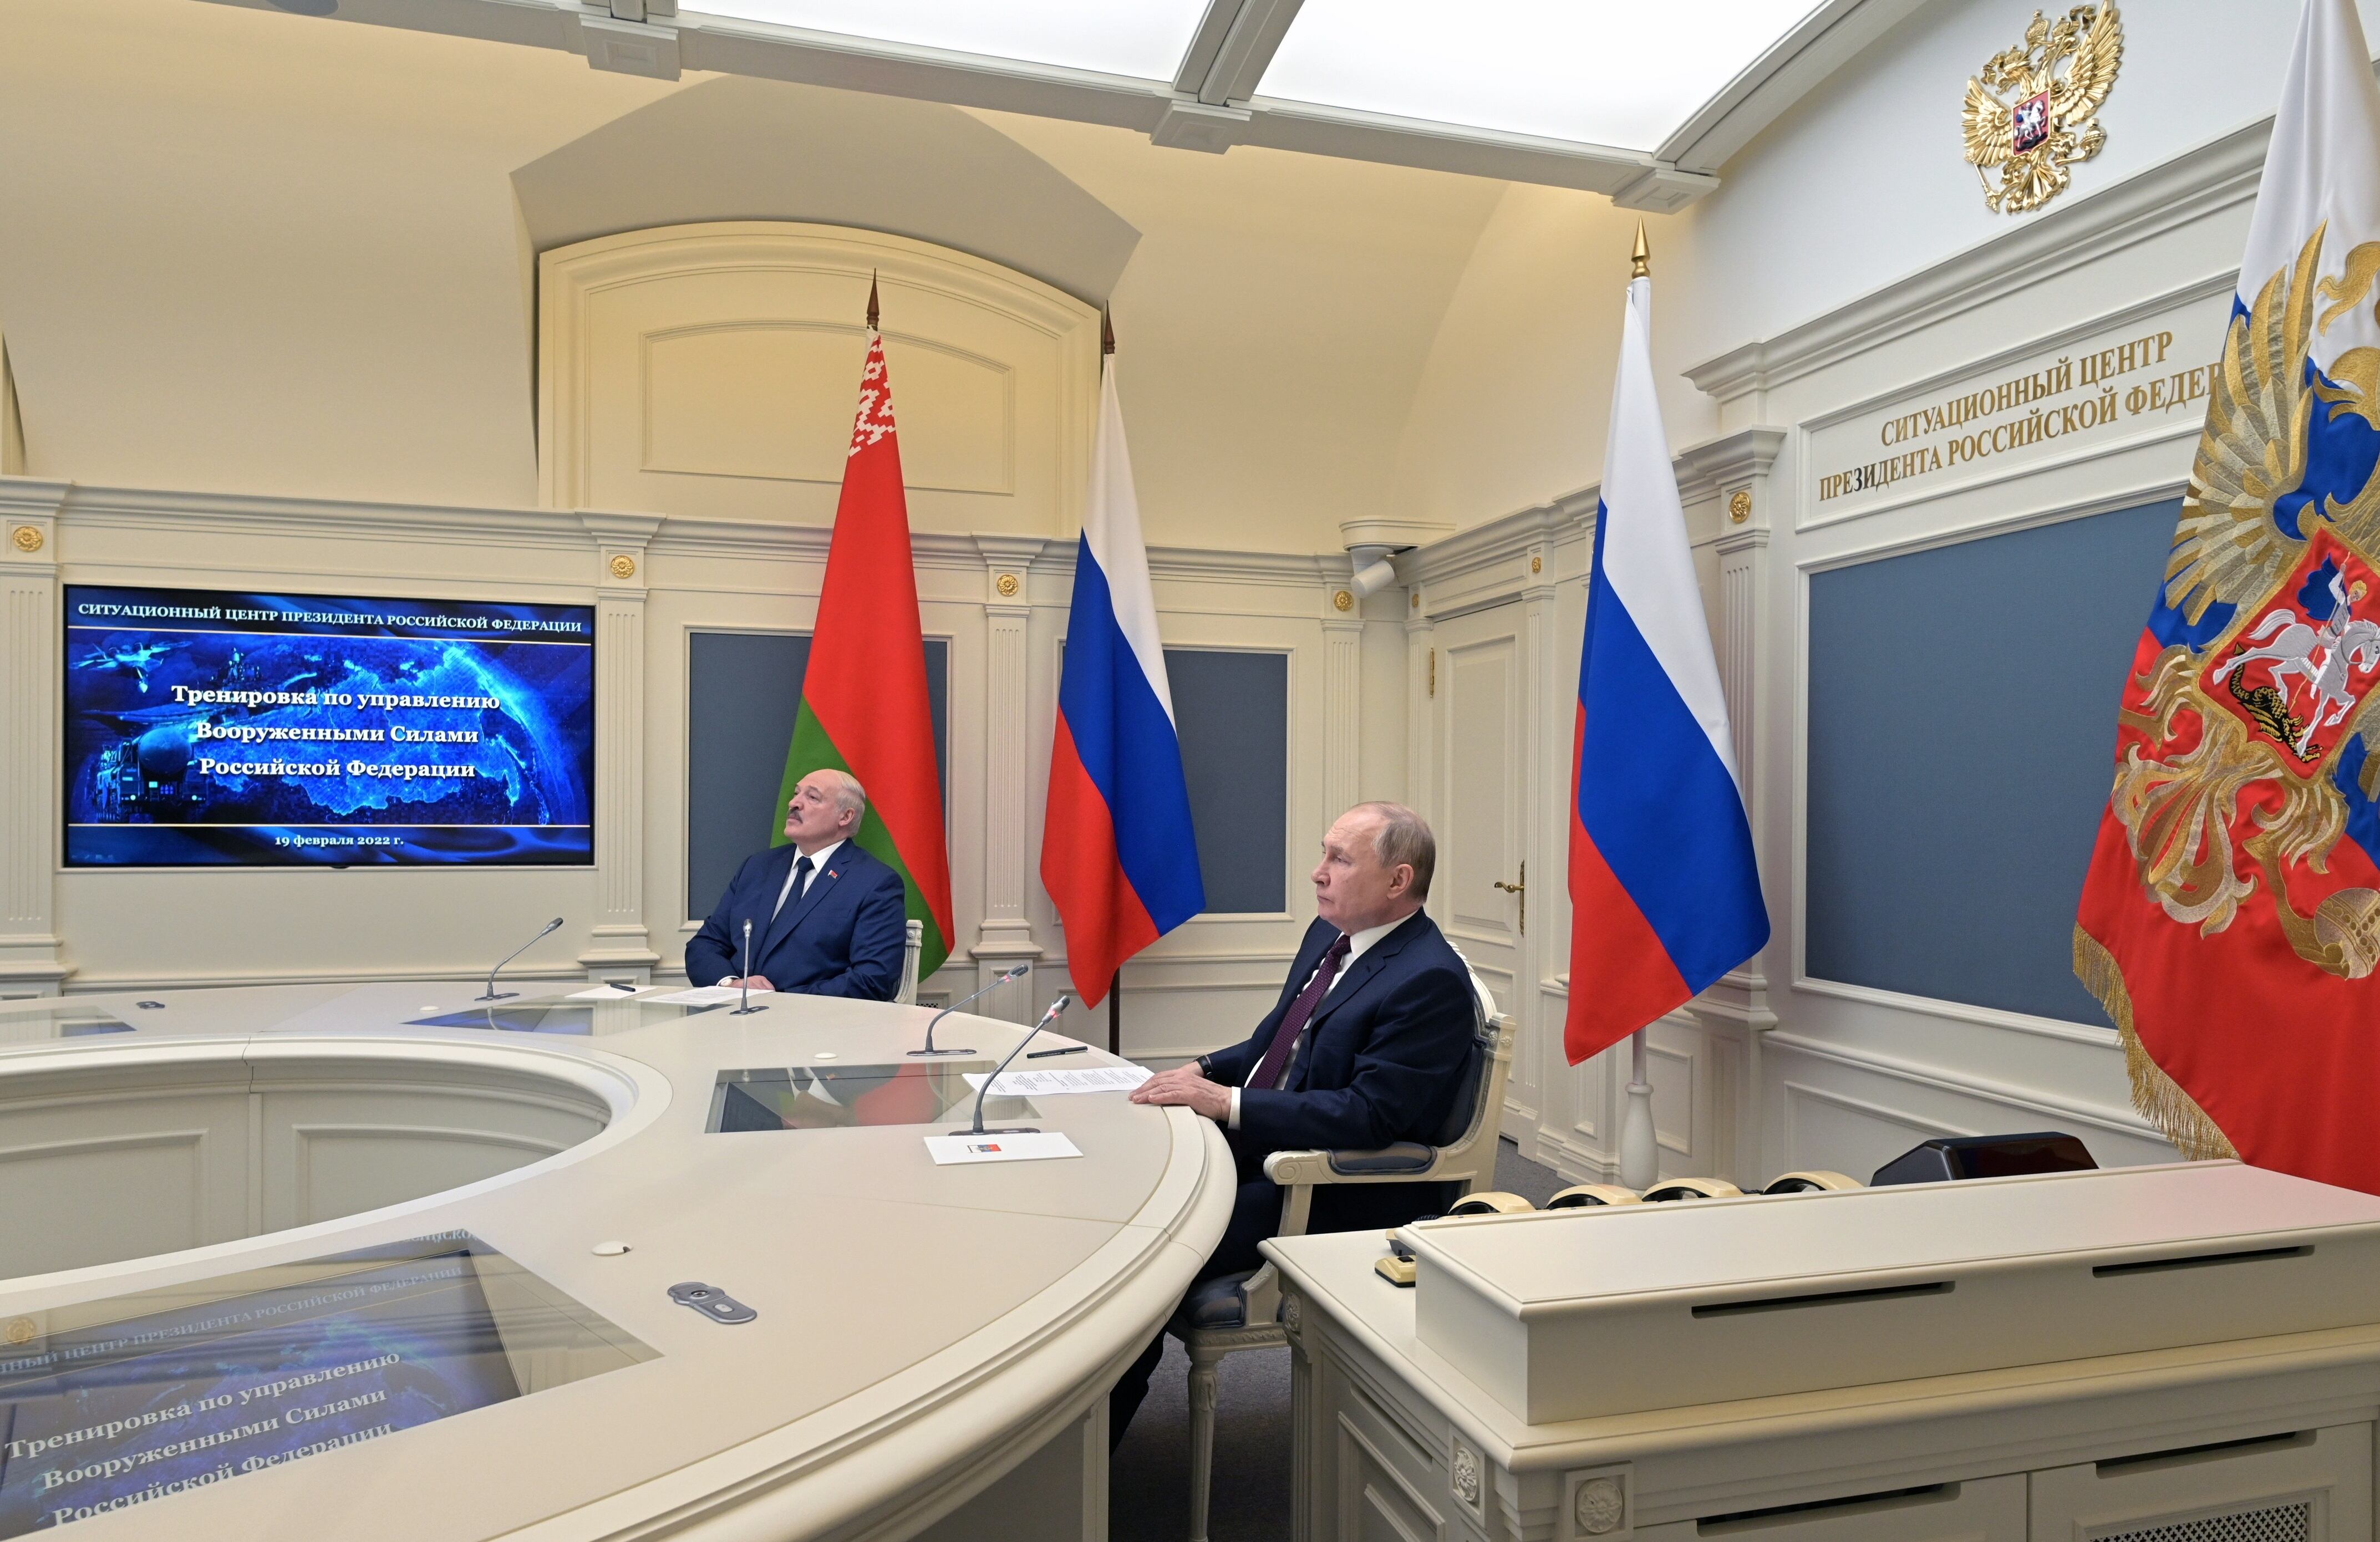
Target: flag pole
[(1115, 983), (1640, 1154)]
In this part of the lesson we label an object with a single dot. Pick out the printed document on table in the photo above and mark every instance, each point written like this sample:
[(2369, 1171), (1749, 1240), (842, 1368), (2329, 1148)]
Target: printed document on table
[(1032, 1146), (702, 995), (604, 993), (1052, 1083)]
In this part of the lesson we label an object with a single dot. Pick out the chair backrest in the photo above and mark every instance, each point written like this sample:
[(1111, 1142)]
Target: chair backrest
[(1465, 1110), (911, 950), (1477, 1117)]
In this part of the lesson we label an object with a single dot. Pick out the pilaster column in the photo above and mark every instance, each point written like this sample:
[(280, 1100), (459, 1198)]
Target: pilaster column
[(1733, 472), (1342, 700), (31, 961), (1004, 935), (1421, 707), (619, 942)]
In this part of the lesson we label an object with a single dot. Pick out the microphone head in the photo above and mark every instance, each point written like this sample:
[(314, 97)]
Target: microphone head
[(554, 924), (1017, 974)]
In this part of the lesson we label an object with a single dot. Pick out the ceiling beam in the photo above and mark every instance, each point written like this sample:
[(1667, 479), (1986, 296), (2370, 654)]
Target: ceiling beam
[(1211, 105), (1245, 51)]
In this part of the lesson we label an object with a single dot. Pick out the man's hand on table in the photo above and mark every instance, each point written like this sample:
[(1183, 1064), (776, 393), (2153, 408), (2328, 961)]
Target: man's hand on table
[(754, 982), (1186, 1086)]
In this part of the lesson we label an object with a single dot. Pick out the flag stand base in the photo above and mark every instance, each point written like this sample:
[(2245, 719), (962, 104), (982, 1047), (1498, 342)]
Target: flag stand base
[(1640, 1156)]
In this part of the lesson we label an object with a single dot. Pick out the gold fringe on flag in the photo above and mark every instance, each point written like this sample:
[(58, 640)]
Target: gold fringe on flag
[(2158, 1097)]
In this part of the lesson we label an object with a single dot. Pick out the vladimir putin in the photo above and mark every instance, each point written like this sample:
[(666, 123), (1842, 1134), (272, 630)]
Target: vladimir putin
[(827, 918), (1365, 1047)]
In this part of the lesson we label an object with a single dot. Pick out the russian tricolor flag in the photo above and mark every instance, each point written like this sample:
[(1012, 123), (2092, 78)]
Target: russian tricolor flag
[(1118, 855), (1664, 896)]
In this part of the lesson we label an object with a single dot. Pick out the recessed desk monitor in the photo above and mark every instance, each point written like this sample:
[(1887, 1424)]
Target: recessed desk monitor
[(136, 1397), (841, 1097), (583, 1019)]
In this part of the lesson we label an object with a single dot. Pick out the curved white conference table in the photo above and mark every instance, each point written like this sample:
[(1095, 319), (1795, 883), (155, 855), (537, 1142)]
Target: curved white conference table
[(932, 1344)]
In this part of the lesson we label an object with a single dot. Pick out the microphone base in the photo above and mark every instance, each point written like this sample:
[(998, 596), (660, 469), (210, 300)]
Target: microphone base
[(1003, 1130), (940, 1052), (748, 1011), (497, 996)]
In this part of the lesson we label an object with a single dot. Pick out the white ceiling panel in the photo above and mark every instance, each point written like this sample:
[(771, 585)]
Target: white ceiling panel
[(1610, 72), (1143, 38)]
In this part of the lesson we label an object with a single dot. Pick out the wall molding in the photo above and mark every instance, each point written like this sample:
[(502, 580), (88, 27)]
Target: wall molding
[(2175, 193), (2099, 1116), (1949, 1011)]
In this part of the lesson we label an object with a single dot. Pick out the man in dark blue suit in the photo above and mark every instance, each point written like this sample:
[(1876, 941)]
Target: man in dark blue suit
[(1365, 1047), (827, 918)]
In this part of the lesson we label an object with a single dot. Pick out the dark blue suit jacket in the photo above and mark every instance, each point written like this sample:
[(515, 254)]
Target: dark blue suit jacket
[(1384, 1052), (843, 937)]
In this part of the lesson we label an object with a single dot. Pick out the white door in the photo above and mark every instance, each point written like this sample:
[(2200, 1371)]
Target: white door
[(1479, 896)]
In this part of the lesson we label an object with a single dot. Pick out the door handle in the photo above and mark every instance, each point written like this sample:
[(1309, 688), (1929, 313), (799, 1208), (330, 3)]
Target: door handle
[(1521, 889)]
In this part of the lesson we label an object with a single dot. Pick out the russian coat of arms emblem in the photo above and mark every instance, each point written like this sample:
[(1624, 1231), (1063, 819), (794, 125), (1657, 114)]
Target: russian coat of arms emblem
[(2251, 728), (2032, 110)]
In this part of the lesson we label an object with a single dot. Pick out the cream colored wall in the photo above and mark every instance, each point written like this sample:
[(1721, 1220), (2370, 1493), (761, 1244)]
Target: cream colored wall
[(251, 251), (1276, 317)]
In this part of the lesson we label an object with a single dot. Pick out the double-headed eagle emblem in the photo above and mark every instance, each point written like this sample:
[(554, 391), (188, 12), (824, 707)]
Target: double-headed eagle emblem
[(2032, 113)]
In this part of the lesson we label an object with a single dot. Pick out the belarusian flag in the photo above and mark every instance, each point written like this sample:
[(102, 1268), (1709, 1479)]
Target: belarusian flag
[(863, 704)]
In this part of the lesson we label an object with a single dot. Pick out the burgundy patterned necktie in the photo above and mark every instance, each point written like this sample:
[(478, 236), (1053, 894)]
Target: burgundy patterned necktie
[(1300, 1012)]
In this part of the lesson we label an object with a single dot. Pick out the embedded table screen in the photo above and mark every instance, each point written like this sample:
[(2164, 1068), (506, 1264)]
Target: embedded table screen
[(834, 1097), (136, 1399)]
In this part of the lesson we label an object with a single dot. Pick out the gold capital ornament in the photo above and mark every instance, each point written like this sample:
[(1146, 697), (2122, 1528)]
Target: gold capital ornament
[(2032, 110)]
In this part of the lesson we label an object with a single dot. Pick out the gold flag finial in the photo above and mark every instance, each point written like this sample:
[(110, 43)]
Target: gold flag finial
[(1640, 262), (1107, 334), (871, 299)]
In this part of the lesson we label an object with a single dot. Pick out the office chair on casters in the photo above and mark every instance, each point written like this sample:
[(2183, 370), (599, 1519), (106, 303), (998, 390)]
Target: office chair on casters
[(1243, 1311), (910, 952)]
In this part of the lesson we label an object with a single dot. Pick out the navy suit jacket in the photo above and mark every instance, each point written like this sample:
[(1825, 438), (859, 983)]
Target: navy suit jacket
[(843, 937), (1384, 1052)]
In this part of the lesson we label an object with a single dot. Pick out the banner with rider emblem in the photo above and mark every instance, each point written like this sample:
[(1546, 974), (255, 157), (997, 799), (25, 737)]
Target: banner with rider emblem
[(2230, 923)]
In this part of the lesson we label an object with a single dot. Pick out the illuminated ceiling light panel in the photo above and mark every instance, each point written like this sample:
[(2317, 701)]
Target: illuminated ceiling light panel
[(1611, 72), (1142, 38)]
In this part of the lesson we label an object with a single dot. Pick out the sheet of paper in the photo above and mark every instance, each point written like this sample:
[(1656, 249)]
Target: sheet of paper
[(1052, 1083), (953, 1150), (701, 995), (603, 993)]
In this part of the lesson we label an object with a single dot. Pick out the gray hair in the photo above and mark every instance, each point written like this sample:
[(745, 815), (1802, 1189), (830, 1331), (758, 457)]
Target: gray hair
[(849, 796), (1403, 839)]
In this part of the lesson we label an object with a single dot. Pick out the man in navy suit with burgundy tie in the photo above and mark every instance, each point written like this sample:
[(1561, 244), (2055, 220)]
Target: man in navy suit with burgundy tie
[(827, 918), (1366, 1046)]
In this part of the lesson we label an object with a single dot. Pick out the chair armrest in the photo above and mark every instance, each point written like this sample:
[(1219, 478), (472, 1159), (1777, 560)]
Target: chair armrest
[(1298, 1166), (1405, 1162)]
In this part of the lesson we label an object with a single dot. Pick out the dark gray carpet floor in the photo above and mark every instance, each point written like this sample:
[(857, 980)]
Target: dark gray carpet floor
[(1148, 1484)]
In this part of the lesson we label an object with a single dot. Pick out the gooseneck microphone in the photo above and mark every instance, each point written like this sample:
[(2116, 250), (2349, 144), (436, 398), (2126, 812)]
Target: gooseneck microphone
[(1060, 1005), (492, 994), (745, 1008), (997, 981)]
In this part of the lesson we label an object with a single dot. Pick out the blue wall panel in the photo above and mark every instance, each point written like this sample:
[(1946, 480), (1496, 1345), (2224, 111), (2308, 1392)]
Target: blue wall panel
[(1231, 711), (1962, 744)]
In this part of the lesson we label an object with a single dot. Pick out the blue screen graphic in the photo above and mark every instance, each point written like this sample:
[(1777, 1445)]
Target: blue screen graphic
[(207, 729), (141, 1410)]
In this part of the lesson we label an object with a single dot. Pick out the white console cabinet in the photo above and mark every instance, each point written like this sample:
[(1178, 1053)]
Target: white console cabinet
[(2180, 1353)]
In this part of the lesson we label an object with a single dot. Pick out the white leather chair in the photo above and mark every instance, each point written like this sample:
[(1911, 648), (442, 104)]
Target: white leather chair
[(1243, 1311), (910, 952)]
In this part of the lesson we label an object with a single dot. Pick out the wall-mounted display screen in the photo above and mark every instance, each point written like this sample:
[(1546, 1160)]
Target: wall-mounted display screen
[(149, 1396), (206, 728)]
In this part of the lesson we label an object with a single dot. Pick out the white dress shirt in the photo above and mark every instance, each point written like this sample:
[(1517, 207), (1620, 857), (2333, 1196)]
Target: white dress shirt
[(1357, 943), (818, 865)]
